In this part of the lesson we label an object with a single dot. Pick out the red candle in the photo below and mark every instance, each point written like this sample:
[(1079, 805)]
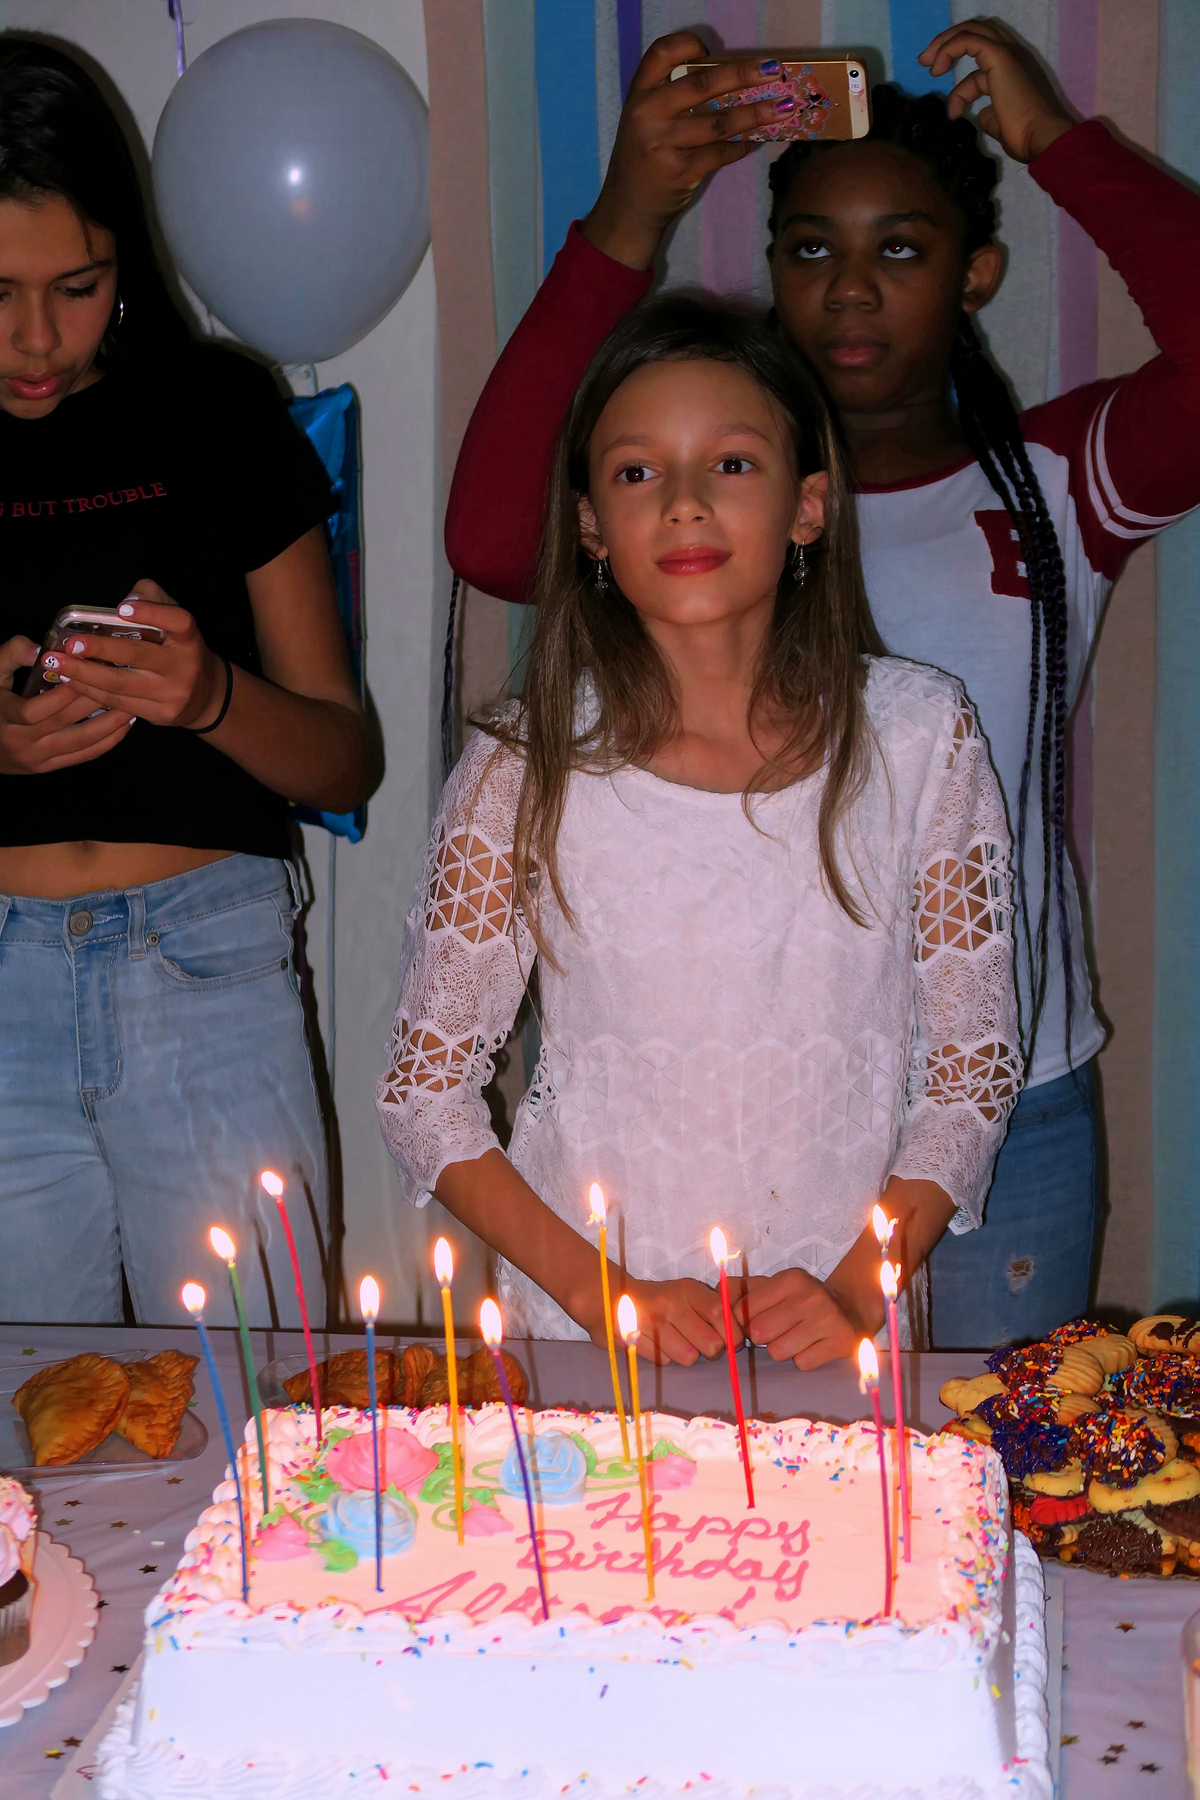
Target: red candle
[(868, 1383), (889, 1281), (719, 1246), (273, 1185)]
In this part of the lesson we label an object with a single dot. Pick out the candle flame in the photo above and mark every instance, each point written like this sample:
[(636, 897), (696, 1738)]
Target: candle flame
[(627, 1320), (868, 1365), (882, 1226), (491, 1324), (718, 1243), (889, 1280), (443, 1263), (193, 1297), (271, 1183), (598, 1204), (368, 1298), (222, 1243)]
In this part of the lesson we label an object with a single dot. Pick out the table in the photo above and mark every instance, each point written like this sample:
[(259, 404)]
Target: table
[(1122, 1708)]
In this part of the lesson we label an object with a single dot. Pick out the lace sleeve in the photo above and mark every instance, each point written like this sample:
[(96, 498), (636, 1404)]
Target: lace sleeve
[(965, 1067), (467, 955)]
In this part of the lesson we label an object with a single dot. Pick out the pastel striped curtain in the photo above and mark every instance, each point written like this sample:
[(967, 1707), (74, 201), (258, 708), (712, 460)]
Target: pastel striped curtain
[(525, 99)]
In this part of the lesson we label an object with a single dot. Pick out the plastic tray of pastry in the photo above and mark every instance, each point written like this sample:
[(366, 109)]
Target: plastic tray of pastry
[(1099, 1432), (114, 1455)]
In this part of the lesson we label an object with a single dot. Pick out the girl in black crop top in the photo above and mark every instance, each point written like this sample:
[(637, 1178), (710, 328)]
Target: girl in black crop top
[(141, 471)]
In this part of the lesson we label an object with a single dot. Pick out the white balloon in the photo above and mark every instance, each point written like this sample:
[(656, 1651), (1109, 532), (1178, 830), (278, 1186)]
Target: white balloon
[(291, 173)]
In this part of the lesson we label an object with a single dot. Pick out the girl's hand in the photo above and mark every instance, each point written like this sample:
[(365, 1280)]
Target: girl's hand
[(680, 1321), (1025, 114), (179, 682), (52, 730), (796, 1315), (662, 153)]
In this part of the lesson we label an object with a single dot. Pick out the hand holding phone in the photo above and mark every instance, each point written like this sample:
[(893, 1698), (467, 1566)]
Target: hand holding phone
[(831, 98), (149, 659), (98, 621), (55, 730)]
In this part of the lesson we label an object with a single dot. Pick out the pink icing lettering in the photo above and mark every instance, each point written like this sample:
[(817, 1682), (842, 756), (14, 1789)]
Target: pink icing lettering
[(404, 1462), (787, 1586), (528, 1602), (722, 1527), (432, 1597), (484, 1602)]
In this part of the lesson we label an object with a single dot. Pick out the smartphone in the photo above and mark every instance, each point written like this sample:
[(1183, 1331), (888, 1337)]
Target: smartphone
[(97, 621), (833, 98)]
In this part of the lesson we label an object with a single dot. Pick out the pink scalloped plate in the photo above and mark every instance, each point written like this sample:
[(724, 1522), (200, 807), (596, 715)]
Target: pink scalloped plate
[(63, 1625)]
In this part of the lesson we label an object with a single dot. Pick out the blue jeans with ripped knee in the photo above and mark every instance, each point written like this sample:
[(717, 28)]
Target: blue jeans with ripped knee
[(152, 1061), (1029, 1266)]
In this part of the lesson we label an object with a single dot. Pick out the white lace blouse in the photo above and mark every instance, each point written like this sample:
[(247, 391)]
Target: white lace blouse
[(723, 1045)]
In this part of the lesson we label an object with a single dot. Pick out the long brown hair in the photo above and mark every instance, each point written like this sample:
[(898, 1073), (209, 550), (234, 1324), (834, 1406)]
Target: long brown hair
[(812, 665)]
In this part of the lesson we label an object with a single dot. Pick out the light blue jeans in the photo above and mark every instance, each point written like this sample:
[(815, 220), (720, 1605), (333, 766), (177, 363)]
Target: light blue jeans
[(153, 1060), (1029, 1266)]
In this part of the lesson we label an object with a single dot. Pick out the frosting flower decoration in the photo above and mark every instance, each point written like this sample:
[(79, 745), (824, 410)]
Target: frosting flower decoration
[(10, 1555), (481, 1520), (404, 1462), (351, 1517), (16, 1508), (282, 1541), (557, 1469)]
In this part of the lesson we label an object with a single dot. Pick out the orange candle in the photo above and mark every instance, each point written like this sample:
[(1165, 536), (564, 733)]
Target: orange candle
[(627, 1320), (443, 1268), (599, 1216), (889, 1281)]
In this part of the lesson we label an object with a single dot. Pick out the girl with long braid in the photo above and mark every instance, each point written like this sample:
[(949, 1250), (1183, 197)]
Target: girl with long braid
[(990, 538)]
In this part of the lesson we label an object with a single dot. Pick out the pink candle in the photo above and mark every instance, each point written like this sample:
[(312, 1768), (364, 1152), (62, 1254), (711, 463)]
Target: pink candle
[(719, 1245), (273, 1184), (889, 1281), (868, 1383)]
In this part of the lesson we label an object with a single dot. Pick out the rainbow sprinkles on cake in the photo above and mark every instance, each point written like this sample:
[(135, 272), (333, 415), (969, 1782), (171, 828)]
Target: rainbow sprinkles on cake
[(766, 1659)]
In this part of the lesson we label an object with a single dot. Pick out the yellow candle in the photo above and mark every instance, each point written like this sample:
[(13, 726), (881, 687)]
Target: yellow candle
[(627, 1319), (599, 1216), (443, 1268)]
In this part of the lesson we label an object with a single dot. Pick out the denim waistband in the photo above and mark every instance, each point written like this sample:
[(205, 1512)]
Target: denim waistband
[(130, 912)]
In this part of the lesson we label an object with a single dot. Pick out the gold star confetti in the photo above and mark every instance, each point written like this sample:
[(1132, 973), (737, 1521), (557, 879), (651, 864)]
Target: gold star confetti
[(149, 1568), (74, 1743), (52, 1753), (119, 1524), (1068, 1740), (1149, 1768), (1126, 1625), (174, 1480), (29, 1352), (1136, 1724)]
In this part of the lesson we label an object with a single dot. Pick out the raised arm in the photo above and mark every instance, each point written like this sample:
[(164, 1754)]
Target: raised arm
[(661, 156)]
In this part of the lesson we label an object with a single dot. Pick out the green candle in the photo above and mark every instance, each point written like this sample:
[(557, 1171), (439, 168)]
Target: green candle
[(225, 1248)]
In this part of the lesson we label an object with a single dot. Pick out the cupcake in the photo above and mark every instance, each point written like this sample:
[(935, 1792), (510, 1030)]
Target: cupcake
[(16, 1600)]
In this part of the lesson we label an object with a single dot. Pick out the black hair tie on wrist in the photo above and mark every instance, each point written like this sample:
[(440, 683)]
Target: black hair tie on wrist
[(203, 730)]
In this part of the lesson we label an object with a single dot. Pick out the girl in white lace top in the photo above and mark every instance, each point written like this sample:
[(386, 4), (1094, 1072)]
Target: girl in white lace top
[(762, 869)]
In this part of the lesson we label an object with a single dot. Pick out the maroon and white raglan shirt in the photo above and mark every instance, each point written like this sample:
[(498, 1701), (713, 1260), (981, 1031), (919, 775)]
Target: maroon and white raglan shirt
[(1117, 461)]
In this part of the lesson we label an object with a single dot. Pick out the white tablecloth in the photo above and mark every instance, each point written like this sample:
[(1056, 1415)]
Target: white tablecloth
[(1121, 1708)]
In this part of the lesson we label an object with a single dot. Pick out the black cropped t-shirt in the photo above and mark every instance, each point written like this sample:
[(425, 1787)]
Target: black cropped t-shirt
[(191, 479)]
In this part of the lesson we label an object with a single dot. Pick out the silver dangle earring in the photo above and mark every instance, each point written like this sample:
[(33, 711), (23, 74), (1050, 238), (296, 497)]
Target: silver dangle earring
[(797, 564), (603, 571), (120, 312)]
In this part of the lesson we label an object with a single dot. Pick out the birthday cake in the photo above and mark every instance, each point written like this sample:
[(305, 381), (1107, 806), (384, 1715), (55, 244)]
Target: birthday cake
[(770, 1657)]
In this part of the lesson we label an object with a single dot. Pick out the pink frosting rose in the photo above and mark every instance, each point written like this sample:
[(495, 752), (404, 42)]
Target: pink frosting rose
[(283, 1541), (16, 1508), (671, 1472), (10, 1555), (484, 1521), (404, 1462)]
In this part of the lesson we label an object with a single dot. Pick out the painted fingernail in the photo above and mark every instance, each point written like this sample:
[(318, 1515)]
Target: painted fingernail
[(125, 610), (770, 67), (65, 680), (50, 662), (713, 106), (785, 106), (77, 646)]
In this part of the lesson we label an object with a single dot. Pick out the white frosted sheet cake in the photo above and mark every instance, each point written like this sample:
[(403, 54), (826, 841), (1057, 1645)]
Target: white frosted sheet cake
[(764, 1662)]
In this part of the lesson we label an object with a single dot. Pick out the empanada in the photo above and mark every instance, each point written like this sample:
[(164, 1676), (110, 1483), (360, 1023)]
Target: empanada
[(72, 1406), (343, 1380), (478, 1382), (159, 1389)]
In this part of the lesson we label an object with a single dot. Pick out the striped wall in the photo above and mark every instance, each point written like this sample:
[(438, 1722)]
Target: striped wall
[(525, 98)]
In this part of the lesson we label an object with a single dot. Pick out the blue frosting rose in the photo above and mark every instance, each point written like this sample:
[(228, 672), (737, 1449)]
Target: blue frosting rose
[(557, 1469), (351, 1517)]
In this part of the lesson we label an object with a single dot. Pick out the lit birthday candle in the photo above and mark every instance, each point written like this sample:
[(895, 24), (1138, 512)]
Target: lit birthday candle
[(273, 1184), (443, 1268), (194, 1298), (226, 1249), (719, 1245), (368, 1306), (627, 1320), (883, 1227), (868, 1383), (889, 1281), (491, 1329), (599, 1216)]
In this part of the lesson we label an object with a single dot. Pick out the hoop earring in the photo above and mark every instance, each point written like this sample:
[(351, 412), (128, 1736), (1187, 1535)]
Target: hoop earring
[(603, 571), (797, 566)]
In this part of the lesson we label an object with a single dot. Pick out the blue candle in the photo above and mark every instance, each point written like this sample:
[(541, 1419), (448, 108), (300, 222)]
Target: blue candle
[(194, 1298), (368, 1304), (491, 1326)]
